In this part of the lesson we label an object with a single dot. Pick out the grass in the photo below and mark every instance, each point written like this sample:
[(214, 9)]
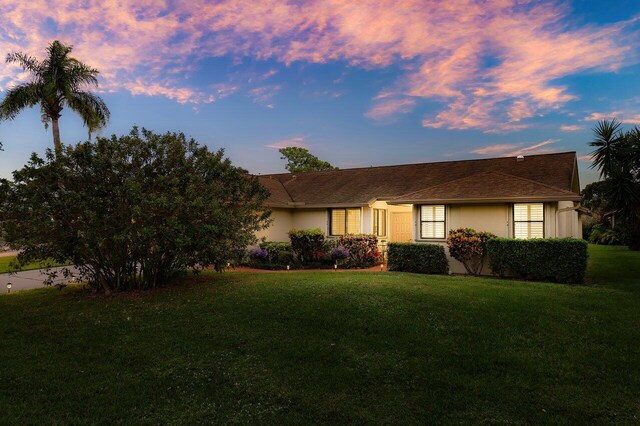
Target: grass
[(5, 264), (350, 347)]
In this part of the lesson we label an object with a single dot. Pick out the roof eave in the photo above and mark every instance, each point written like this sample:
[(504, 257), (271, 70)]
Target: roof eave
[(484, 200), (302, 205)]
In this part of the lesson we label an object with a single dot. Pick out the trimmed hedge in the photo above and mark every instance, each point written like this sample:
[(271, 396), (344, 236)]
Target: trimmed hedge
[(562, 260), (307, 244), (417, 257), (278, 252)]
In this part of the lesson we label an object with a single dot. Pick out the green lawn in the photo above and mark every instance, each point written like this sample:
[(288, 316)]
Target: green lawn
[(5, 262), (352, 347)]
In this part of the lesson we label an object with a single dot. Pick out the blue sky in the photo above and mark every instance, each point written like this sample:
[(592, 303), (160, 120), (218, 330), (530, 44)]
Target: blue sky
[(359, 84)]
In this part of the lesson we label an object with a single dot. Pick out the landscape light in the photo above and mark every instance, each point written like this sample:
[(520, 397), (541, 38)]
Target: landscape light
[(287, 267), (8, 287), (382, 266), (335, 267)]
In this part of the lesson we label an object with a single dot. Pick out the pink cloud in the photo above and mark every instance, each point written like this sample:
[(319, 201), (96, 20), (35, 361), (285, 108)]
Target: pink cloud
[(624, 116), (570, 128), (511, 150), (297, 141), (262, 94), (388, 107), (497, 149), (153, 47)]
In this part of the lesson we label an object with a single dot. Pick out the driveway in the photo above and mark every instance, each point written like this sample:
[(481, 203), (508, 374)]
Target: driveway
[(26, 280)]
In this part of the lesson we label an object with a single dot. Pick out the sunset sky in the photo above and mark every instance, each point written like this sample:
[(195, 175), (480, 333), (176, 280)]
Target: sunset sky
[(366, 82)]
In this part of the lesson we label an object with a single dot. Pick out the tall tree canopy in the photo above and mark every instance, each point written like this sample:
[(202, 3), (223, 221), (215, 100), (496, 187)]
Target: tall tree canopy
[(301, 160), (133, 210), (616, 155), (56, 82)]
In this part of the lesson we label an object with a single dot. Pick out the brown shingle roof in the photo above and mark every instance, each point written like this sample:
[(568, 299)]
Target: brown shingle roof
[(278, 194), (552, 172), (486, 186)]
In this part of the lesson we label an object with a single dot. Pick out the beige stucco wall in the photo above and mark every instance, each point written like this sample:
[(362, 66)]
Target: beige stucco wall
[(310, 218), (568, 221), (281, 223)]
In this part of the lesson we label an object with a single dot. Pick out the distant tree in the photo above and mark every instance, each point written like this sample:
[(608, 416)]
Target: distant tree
[(301, 160), (57, 82), (133, 210), (594, 197), (617, 156)]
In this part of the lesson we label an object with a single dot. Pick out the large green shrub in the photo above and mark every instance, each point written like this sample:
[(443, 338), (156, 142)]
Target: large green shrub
[(131, 211), (417, 257), (469, 247), (362, 248), (277, 251), (307, 244), (605, 235), (556, 259)]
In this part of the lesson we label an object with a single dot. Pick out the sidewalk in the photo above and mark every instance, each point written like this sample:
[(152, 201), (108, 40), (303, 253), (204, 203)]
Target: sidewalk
[(26, 280)]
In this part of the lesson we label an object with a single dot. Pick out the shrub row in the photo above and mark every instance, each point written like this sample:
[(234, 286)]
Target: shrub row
[(561, 260), (417, 257), (310, 247)]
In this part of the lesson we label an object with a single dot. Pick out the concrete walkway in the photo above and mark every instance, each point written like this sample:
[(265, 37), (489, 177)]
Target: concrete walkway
[(26, 280)]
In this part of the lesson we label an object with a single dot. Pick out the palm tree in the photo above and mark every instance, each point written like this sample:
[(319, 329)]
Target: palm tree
[(56, 82), (608, 143), (617, 155)]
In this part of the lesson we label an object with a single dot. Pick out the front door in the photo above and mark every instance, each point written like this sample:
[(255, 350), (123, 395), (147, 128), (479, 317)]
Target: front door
[(401, 227)]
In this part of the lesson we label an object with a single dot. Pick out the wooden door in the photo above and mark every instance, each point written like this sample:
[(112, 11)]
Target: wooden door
[(401, 227)]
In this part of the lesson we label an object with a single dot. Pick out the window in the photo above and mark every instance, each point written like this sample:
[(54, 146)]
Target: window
[(528, 220), (432, 222), (380, 222), (344, 221)]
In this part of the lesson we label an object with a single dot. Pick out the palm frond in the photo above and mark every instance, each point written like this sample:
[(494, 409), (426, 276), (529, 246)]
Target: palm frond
[(79, 74), (91, 108), (607, 143), (26, 62), (19, 97)]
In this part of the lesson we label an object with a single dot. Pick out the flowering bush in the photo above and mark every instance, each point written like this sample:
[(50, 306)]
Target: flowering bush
[(469, 247), (339, 253), (307, 243), (274, 250), (363, 249), (259, 254)]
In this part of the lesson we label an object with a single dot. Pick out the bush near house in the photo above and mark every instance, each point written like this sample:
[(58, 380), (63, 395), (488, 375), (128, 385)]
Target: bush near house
[(417, 257), (131, 212), (278, 252), (561, 260), (362, 248), (309, 249), (469, 247), (307, 244)]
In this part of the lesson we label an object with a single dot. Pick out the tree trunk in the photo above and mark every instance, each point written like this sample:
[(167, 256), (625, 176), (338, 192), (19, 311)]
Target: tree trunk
[(57, 144)]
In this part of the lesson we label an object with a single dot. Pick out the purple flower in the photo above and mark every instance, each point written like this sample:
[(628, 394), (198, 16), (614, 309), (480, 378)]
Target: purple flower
[(259, 254), (339, 252)]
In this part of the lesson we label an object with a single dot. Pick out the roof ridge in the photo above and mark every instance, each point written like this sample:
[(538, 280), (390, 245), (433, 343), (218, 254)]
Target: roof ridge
[(418, 164), (534, 181), (281, 184)]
